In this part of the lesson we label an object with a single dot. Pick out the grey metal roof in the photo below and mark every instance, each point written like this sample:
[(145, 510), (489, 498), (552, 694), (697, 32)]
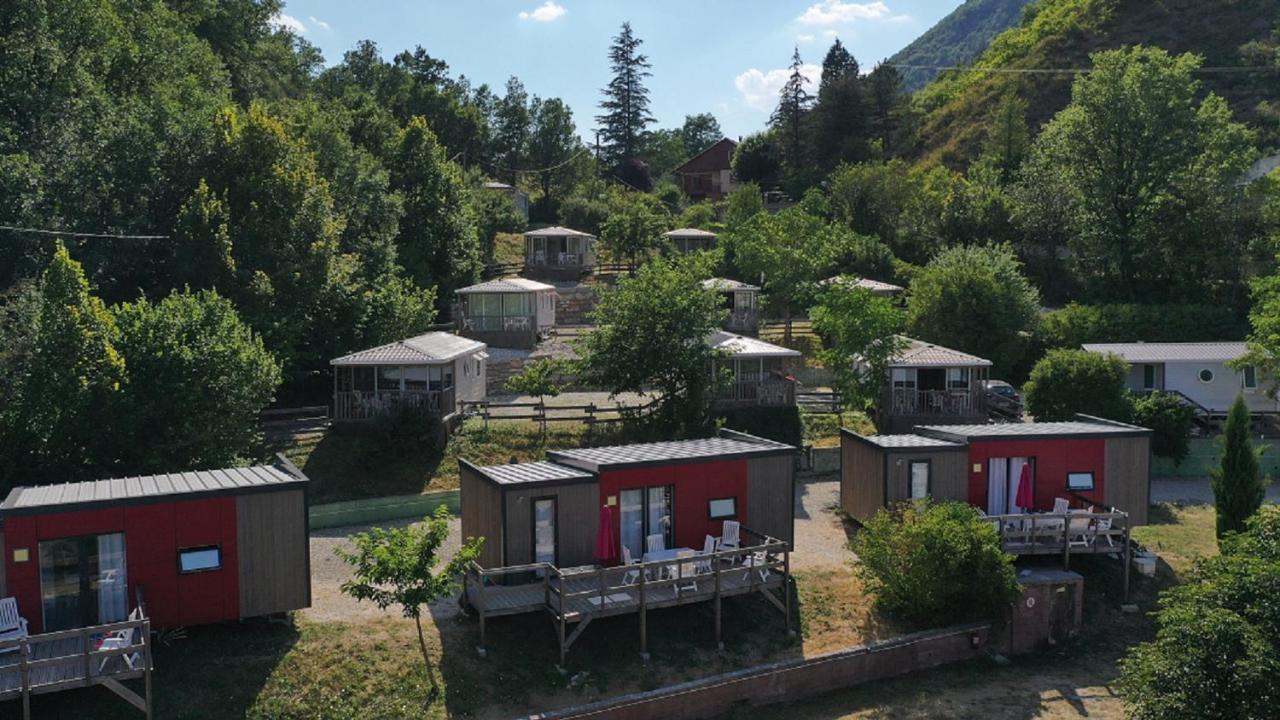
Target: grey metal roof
[(748, 347), (918, 353), (426, 349), (534, 472), (875, 286), (1067, 428), (726, 285), (557, 231), (136, 489), (690, 233), (516, 284), (498, 186), (1157, 352), (670, 451), (910, 441)]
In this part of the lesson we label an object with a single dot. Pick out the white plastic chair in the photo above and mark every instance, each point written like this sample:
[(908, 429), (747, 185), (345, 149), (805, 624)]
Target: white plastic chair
[(630, 577), (654, 543), (731, 535), (759, 562), (1061, 506), (120, 640), (708, 549), (686, 572), (12, 625)]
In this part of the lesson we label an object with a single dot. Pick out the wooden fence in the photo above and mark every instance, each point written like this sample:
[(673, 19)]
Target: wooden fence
[(539, 411)]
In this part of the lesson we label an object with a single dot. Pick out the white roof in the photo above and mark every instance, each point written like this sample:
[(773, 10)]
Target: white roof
[(918, 353), (516, 284), (740, 346), (1142, 352), (557, 231), (689, 233), (430, 348), (725, 285), (498, 186), (874, 286)]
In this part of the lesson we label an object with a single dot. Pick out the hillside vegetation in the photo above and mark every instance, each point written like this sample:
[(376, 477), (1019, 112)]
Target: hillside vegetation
[(957, 39), (957, 109)]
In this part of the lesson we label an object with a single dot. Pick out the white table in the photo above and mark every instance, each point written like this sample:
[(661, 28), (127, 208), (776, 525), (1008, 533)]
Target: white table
[(668, 554)]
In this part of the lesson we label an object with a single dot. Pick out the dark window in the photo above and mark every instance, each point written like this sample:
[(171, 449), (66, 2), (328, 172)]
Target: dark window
[(1148, 377), (199, 559)]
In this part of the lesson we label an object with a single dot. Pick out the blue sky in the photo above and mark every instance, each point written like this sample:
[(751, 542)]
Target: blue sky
[(727, 57)]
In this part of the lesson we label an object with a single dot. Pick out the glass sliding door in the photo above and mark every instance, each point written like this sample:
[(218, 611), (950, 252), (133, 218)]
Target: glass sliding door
[(83, 581), (544, 530), (631, 517), (658, 515), (646, 512)]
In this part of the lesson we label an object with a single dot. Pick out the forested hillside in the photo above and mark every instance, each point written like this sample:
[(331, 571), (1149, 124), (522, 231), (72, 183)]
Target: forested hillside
[(957, 39), (957, 109)]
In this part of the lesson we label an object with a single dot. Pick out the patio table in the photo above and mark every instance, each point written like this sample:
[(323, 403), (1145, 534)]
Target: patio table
[(669, 554)]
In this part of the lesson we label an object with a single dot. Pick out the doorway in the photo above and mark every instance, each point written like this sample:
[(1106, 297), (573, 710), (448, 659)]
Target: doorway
[(83, 581), (545, 545), (1003, 475)]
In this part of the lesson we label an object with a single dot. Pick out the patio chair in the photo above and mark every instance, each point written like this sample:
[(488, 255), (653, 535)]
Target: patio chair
[(119, 640), (1078, 532), (1103, 526), (630, 577), (731, 535), (708, 550), (759, 562), (1061, 506), (12, 625), (654, 543), (686, 572)]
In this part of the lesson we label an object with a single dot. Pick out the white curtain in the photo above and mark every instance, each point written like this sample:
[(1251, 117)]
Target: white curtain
[(997, 486), (1015, 474), (113, 592)]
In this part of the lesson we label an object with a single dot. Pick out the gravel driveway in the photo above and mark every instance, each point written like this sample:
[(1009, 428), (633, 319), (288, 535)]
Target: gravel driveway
[(1194, 491), (821, 543)]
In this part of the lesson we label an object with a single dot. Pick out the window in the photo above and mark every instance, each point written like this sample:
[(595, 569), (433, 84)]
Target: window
[(199, 559), (957, 378), (1148, 377), (1249, 377), (1080, 481), (1205, 375), (544, 530), (919, 479), (722, 509), (904, 378)]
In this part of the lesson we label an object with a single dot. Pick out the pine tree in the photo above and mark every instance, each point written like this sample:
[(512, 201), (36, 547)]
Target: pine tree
[(1238, 489), (1008, 142), (887, 100), (788, 117), (841, 114), (626, 100)]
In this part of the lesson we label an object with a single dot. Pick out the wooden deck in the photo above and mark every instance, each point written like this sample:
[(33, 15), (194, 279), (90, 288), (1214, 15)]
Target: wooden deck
[(1066, 534), (67, 659), (577, 596)]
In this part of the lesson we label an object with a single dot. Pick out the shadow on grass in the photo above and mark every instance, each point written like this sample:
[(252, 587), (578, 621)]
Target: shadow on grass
[(216, 671)]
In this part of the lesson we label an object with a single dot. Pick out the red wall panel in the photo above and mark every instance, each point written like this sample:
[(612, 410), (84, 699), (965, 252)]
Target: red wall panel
[(696, 484), (1054, 458), (153, 535)]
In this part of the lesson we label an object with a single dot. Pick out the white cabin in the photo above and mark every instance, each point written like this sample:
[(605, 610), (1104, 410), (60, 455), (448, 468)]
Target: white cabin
[(508, 313), (429, 375), (1196, 370)]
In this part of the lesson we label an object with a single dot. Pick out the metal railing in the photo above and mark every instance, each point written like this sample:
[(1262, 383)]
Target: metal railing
[(906, 401), (366, 404)]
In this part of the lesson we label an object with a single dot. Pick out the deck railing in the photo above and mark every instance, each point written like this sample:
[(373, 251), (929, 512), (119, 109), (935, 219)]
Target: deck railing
[(367, 404), (496, 323), (580, 594), (756, 392), (1077, 532), (66, 659), (906, 401), (743, 319)]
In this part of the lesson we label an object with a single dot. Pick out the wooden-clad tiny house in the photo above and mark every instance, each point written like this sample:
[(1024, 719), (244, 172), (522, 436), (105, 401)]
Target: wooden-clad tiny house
[(1087, 461), (549, 511), (194, 547)]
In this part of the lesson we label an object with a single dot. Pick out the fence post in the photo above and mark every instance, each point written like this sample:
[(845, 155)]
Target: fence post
[(84, 650), (146, 672), (644, 638), (25, 679), (715, 560)]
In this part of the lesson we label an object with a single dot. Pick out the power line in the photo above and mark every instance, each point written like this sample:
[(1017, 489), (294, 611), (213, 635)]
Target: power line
[(73, 234), (534, 171)]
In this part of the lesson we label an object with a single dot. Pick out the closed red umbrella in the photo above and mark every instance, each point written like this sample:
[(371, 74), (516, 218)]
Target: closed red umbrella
[(1026, 498), (606, 542)]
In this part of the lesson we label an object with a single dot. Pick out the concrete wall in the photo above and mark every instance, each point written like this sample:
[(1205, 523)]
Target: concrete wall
[(790, 680)]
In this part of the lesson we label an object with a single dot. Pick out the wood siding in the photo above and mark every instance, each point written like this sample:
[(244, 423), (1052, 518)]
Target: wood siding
[(482, 514), (861, 478), (1128, 476), (948, 474), (4, 587), (274, 552), (771, 496), (577, 514)]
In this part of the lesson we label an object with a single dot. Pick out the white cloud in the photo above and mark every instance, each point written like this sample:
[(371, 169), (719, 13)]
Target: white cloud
[(317, 21), (829, 34), (838, 12), (280, 21), (804, 39), (760, 89), (546, 12)]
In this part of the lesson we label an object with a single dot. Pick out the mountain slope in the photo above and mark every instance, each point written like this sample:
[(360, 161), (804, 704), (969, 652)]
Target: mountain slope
[(956, 109), (957, 39)]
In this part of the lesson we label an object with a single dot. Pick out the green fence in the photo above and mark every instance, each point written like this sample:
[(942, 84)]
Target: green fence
[(375, 510), (1205, 455)]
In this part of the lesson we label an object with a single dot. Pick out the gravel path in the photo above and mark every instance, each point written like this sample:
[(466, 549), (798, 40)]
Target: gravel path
[(820, 539), (1194, 491)]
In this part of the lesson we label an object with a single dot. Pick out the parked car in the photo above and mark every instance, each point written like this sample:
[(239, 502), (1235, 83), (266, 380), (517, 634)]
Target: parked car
[(1002, 395)]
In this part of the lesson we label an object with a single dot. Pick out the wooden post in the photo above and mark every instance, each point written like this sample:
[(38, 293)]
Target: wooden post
[(786, 585), (25, 679), (1066, 541), (146, 672), (336, 370), (715, 559), (644, 638), (84, 650), (561, 619), (1128, 557)]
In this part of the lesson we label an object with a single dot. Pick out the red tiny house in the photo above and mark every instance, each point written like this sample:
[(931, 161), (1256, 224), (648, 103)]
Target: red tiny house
[(1050, 459), (192, 548)]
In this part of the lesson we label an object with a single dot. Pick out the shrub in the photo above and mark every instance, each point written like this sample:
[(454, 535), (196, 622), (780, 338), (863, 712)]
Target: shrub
[(932, 564), (584, 214), (1169, 418), (1066, 382), (1075, 325)]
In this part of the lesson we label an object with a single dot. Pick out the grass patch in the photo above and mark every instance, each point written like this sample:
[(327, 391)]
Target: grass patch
[(1180, 534), (354, 464)]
